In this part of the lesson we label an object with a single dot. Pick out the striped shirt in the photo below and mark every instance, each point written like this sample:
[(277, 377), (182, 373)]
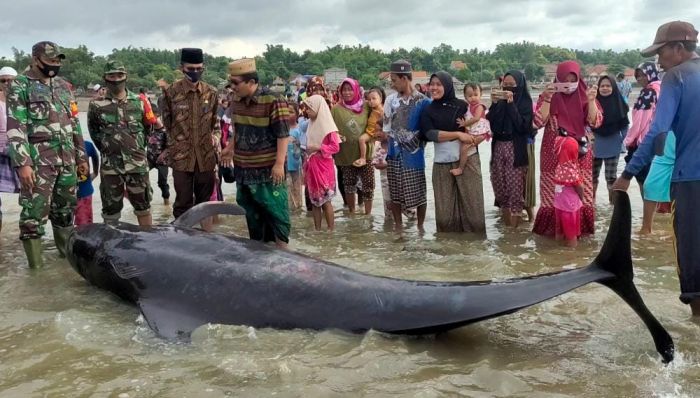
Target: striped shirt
[(259, 121)]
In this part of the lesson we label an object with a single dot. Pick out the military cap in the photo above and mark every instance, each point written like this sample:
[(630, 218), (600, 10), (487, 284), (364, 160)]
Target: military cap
[(400, 66), (242, 67), (191, 56), (114, 67), (48, 49)]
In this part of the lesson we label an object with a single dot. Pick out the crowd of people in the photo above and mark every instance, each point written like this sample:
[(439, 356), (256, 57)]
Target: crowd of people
[(287, 154)]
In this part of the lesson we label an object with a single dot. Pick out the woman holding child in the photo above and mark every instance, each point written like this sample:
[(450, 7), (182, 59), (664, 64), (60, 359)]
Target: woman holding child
[(351, 115), (459, 197), (510, 116)]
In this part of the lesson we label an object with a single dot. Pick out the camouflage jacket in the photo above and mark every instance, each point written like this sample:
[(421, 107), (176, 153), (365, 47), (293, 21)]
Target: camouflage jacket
[(118, 128), (42, 124)]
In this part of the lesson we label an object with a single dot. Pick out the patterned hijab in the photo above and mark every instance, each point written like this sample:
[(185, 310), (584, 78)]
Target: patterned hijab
[(570, 109), (357, 101), (649, 94)]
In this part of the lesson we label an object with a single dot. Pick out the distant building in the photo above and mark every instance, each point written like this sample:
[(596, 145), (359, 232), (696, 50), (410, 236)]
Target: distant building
[(334, 76), (550, 72), (458, 65), (593, 73)]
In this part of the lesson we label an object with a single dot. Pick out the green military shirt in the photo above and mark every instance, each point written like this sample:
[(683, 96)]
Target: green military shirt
[(42, 124), (118, 129)]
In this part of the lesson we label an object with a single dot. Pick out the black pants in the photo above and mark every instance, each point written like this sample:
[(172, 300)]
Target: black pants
[(163, 181), (192, 188), (686, 218)]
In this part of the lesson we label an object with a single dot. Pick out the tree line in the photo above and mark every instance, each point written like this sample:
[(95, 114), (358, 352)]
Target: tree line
[(84, 68)]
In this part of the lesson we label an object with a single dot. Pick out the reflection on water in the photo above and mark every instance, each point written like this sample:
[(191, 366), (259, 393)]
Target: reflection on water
[(61, 337)]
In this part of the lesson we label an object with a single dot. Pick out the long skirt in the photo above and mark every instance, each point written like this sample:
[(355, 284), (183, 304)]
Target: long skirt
[(319, 176), (530, 185), (459, 200), (507, 181), (545, 221)]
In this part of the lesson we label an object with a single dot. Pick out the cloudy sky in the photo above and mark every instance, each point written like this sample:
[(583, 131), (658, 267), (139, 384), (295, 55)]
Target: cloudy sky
[(238, 28)]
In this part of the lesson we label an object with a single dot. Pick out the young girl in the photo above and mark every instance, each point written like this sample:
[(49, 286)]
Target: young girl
[(374, 123), (294, 155), (322, 142), (473, 123), (568, 191)]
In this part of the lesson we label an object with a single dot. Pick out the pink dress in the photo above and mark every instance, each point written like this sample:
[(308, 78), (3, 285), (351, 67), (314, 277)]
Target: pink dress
[(319, 171), (567, 204)]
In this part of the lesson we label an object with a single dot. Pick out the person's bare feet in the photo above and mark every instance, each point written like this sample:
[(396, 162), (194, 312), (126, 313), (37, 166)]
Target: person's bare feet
[(359, 162), (456, 172), (644, 231)]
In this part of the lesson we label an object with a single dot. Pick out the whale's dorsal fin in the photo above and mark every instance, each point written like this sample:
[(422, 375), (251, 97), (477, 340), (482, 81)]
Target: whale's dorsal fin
[(167, 321), (207, 209)]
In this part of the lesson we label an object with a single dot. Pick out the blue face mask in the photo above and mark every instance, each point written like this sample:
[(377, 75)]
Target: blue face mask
[(193, 76)]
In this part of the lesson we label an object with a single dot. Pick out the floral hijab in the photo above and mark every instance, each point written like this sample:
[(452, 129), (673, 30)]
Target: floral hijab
[(357, 102), (649, 94)]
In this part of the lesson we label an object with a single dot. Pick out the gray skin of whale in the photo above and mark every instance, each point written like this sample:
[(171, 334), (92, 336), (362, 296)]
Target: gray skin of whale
[(182, 278)]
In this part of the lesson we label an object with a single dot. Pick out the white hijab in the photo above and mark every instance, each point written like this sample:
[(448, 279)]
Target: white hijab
[(322, 125)]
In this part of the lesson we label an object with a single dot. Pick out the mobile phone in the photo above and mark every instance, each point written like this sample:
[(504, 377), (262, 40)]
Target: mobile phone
[(565, 87), (498, 94)]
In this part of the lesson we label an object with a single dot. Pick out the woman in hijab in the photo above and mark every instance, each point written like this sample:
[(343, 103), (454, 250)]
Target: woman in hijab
[(459, 200), (322, 142), (350, 115), (566, 105), (511, 126), (643, 112), (608, 137)]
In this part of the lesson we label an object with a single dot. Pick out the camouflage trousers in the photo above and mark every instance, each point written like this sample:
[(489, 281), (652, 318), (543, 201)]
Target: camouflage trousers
[(137, 188), (53, 197)]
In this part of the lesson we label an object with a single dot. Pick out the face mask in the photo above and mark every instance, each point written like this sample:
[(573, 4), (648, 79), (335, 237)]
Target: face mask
[(49, 70), (566, 88), (194, 76), (115, 87)]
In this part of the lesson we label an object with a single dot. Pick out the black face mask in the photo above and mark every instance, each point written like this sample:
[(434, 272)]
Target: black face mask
[(48, 70), (194, 76), (511, 89), (115, 87)]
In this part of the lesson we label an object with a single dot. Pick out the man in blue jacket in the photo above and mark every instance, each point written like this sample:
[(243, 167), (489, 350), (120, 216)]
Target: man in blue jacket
[(678, 109)]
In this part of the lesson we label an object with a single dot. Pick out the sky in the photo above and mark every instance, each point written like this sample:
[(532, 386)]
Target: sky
[(239, 28)]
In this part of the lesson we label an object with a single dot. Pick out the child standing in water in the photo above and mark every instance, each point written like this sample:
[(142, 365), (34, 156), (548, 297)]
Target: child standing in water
[(568, 191), (374, 124), (474, 123)]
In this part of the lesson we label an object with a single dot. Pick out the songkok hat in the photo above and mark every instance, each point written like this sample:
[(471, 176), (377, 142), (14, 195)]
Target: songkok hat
[(191, 56), (669, 32), (114, 67), (8, 71), (400, 66), (242, 67), (48, 49)]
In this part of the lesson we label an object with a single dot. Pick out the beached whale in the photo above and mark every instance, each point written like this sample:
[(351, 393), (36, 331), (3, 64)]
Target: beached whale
[(182, 278)]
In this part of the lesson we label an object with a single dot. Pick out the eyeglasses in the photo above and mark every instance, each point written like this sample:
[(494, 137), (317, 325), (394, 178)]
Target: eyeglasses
[(3, 81), (235, 82)]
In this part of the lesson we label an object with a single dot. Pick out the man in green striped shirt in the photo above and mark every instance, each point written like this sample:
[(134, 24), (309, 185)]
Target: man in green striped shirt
[(258, 151)]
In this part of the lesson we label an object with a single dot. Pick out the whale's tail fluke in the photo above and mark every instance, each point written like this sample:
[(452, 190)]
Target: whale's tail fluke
[(616, 257)]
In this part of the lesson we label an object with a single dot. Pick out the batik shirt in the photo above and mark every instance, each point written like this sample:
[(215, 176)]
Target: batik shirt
[(401, 117)]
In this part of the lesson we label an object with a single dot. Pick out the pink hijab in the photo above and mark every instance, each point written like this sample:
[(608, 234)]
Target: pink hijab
[(357, 101), (571, 109)]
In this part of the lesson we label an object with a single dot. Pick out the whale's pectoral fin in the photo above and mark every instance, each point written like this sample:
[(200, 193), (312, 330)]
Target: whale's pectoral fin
[(167, 321), (207, 209)]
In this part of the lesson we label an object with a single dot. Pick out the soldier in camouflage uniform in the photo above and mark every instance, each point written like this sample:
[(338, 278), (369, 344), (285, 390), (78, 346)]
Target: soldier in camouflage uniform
[(45, 146), (118, 126)]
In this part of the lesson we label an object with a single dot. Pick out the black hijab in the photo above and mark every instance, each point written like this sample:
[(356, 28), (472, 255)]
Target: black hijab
[(501, 121), (614, 110), (442, 113)]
